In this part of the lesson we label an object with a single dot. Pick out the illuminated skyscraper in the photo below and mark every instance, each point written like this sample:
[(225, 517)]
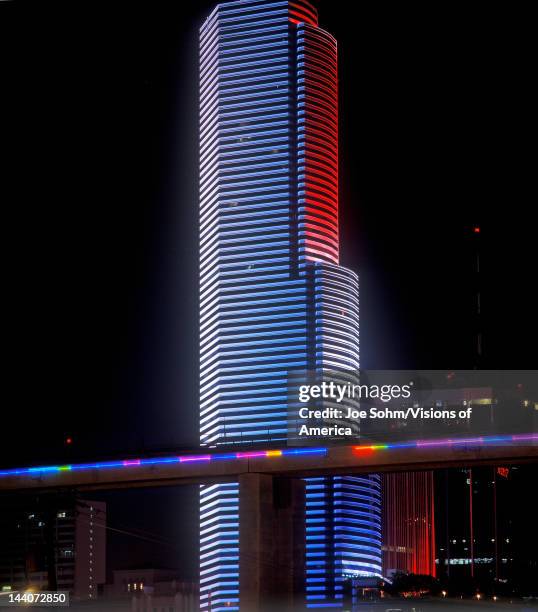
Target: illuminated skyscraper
[(408, 523), (273, 296)]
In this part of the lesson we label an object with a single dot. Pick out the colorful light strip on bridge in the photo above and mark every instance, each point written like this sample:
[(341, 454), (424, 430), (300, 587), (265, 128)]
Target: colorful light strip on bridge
[(448, 442), (265, 454), (287, 452)]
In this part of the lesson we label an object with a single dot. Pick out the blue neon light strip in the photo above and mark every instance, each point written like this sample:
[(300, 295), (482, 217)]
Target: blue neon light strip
[(206, 458), (267, 454)]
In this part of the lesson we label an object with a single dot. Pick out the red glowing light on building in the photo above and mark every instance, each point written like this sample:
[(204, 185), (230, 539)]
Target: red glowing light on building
[(503, 471), (408, 523), (318, 145), (364, 451)]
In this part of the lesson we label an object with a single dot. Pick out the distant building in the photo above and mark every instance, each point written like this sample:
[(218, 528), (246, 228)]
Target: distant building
[(153, 588), (127, 582), (180, 602), (494, 515), (408, 523), (55, 543)]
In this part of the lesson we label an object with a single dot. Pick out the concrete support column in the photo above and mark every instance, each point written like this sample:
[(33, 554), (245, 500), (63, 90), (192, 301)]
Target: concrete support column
[(271, 543)]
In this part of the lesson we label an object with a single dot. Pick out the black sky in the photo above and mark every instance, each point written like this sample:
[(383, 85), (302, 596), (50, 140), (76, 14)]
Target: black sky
[(100, 267), (101, 279)]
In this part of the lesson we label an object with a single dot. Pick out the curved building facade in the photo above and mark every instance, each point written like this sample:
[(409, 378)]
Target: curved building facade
[(273, 297)]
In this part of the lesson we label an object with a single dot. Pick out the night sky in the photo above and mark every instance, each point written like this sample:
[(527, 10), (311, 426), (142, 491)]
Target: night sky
[(100, 264)]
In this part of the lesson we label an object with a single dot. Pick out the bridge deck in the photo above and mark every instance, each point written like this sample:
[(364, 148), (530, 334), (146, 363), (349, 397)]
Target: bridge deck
[(292, 462)]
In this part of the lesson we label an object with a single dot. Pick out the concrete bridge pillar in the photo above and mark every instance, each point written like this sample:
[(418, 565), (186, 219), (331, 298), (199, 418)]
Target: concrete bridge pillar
[(271, 543)]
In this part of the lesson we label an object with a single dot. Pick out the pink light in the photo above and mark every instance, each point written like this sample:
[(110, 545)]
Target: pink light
[(434, 443), (449, 442), (251, 455), (525, 437), (186, 459), (132, 462), (468, 441)]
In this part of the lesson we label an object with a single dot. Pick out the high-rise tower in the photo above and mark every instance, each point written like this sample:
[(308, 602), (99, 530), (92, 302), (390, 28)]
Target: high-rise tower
[(273, 297)]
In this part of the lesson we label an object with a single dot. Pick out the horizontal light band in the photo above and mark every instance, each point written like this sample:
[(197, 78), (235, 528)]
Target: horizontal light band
[(447, 442), (163, 460), (264, 454)]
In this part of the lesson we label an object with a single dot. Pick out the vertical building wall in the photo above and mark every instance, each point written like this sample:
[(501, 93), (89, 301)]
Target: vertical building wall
[(408, 523), (252, 308), (317, 144), (343, 516), (343, 533), (90, 549), (272, 295), (219, 547)]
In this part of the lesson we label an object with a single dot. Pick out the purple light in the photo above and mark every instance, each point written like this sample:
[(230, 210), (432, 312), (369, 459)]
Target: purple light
[(520, 437), (266, 454)]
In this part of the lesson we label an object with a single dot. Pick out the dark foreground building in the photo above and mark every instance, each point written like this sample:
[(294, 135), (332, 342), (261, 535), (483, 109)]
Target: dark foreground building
[(53, 543), (485, 532)]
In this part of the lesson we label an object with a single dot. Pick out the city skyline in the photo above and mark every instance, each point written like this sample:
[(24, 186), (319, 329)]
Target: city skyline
[(102, 292), (129, 240)]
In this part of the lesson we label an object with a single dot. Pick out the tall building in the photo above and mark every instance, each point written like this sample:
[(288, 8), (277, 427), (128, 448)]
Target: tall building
[(408, 523), (273, 297), (483, 527), (55, 543)]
